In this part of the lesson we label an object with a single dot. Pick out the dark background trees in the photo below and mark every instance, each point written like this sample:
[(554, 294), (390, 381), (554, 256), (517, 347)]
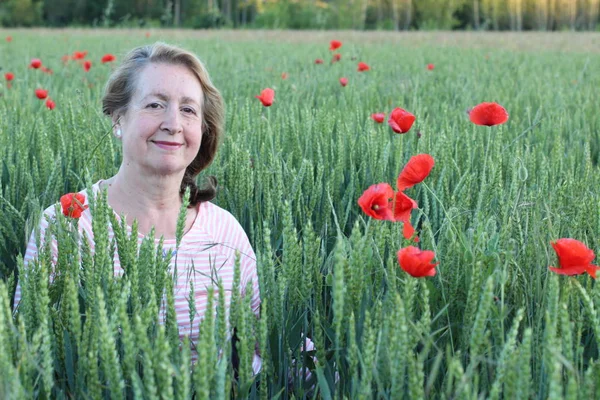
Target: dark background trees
[(307, 14)]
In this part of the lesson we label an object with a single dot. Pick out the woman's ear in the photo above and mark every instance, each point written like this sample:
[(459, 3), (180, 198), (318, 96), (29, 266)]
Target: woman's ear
[(116, 125)]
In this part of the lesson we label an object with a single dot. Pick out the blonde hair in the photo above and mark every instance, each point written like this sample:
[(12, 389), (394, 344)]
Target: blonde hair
[(122, 84)]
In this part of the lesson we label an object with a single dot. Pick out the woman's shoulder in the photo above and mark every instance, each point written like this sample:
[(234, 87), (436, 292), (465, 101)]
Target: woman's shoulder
[(50, 211), (218, 221)]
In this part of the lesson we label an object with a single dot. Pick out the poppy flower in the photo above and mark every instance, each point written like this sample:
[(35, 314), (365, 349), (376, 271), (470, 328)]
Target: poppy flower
[(401, 120), (363, 67), (574, 258), (41, 93), (147, 34), (343, 81), (9, 76), (430, 67), (266, 97), (72, 204), (488, 114), (108, 58), (336, 57), (87, 65), (35, 63), (376, 201), (378, 117), (50, 104), (415, 171), (65, 59), (403, 205), (318, 61), (284, 75), (417, 262), (79, 55), (334, 45), (9, 39), (46, 70)]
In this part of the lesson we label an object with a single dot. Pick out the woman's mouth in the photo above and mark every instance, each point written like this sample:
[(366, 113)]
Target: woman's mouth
[(168, 145)]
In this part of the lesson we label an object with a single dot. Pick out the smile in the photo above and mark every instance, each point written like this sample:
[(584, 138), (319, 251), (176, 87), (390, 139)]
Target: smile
[(168, 145)]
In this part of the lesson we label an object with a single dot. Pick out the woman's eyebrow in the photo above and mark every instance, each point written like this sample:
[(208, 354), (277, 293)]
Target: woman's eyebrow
[(164, 97)]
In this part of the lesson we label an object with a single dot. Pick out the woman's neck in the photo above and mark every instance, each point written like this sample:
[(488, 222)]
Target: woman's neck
[(152, 201)]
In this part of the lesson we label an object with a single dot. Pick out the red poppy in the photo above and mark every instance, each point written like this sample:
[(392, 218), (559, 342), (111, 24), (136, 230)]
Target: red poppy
[(65, 58), (417, 262), (35, 63), (376, 201), (403, 205), (378, 117), (488, 114), (574, 258), (46, 70), (415, 171), (284, 75), (108, 58), (79, 55), (430, 67), (343, 81), (318, 61), (72, 204), (334, 45), (87, 65), (9, 39), (9, 76), (41, 93), (363, 67), (401, 120), (147, 34), (266, 97), (336, 57), (50, 104)]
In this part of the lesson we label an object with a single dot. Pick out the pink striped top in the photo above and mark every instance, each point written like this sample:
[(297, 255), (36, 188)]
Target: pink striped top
[(206, 253)]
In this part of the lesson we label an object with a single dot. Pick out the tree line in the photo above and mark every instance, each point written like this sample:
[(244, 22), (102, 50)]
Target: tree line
[(307, 14)]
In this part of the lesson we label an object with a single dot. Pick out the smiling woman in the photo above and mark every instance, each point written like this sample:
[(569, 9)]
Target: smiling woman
[(170, 118)]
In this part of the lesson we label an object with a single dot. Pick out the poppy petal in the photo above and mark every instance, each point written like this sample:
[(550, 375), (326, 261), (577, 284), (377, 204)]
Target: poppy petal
[(376, 201), (591, 270), (415, 171), (572, 252), (408, 231), (488, 114)]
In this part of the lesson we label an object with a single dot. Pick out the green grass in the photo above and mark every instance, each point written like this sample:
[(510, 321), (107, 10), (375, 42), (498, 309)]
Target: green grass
[(494, 321)]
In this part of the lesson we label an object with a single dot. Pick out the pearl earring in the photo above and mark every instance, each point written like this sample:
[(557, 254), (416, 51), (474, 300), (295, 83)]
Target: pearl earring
[(118, 133)]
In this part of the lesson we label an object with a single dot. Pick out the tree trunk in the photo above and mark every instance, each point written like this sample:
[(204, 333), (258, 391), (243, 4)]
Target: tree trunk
[(408, 14), (177, 13), (476, 14), (519, 11), (594, 10), (244, 17), (496, 14), (363, 14), (396, 15), (511, 15)]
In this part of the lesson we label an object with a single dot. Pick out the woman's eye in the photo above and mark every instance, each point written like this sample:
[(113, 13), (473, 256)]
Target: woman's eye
[(189, 110), (153, 105)]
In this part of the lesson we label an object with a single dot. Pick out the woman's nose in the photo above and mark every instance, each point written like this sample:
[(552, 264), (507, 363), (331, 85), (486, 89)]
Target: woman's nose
[(172, 121)]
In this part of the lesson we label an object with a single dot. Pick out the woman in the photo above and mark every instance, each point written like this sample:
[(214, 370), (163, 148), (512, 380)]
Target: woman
[(170, 119)]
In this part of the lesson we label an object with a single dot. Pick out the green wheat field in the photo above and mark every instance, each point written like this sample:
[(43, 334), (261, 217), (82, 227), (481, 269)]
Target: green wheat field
[(494, 322)]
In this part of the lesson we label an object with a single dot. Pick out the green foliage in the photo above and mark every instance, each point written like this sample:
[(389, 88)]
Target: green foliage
[(308, 14), (493, 323)]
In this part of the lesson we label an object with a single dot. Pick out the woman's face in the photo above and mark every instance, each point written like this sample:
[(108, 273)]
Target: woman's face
[(162, 128)]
